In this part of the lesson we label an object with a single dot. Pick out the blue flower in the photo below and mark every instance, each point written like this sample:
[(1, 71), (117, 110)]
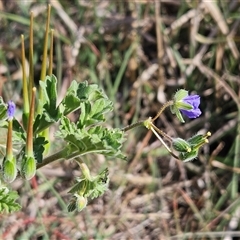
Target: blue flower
[(194, 101), (188, 105), (11, 110)]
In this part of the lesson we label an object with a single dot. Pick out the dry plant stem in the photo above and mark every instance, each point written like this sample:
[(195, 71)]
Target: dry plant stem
[(167, 104), (207, 71)]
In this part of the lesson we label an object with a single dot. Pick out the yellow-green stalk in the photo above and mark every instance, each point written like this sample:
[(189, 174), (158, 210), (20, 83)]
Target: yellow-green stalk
[(28, 168), (9, 162), (45, 133), (31, 68), (44, 58), (51, 53), (25, 86)]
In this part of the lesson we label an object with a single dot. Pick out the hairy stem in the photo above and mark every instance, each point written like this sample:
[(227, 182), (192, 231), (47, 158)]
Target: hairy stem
[(131, 126), (167, 104)]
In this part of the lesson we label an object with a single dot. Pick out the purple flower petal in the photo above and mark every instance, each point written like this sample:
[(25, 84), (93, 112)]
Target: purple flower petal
[(11, 109), (194, 101)]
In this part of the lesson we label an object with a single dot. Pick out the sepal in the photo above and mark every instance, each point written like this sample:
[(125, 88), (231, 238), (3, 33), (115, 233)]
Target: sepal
[(9, 170), (28, 168)]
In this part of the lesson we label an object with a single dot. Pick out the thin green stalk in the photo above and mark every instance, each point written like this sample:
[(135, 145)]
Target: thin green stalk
[(51, 53), (24, 79), (62, 154), (236, 161), (44, 61), (131, 126), (29, 142), (122, 68), (54, 157), (31, 67)]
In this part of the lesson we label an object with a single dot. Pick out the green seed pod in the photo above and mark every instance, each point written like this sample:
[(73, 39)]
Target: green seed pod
[(9, 170), (181, 145), (28, 169)]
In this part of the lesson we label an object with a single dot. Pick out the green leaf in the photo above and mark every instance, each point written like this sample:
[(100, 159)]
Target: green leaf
[(90, 99), (71, 101), (49, 89), (38, 148), (7, 201), (96, 139), (50, 112)]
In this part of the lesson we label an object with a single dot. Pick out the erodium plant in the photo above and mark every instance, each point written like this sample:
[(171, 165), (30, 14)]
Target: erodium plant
[(88, 135)]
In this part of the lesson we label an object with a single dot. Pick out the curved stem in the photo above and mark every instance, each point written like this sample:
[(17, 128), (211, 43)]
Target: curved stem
[(167, 104)]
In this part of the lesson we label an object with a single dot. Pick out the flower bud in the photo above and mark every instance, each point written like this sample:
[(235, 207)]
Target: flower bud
[(81, 203), (9, 170), (28, 169)]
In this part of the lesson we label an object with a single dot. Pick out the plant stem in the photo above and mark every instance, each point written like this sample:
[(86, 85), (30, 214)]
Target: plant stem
[(236, 161), (131, 126), (58, 156), (162, 133), (9, 140), (29, 143), (24, 79), (54, 157), (167, 104), (31, 67)]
